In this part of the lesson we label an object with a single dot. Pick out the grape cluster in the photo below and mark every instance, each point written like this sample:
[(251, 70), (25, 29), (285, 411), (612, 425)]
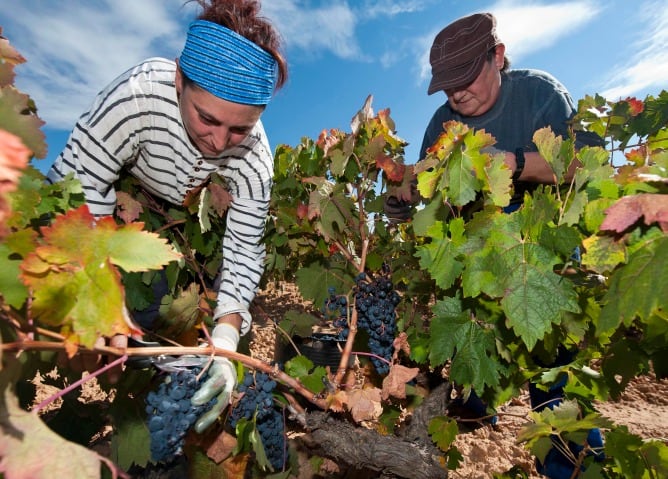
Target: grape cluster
[(171, 414), (375, 301), (257, 402), (336, 310)]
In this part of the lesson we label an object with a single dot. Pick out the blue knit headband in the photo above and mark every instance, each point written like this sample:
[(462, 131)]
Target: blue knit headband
[(227, 64)]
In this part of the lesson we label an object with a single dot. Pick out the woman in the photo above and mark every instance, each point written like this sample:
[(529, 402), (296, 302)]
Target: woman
[(170, 124)]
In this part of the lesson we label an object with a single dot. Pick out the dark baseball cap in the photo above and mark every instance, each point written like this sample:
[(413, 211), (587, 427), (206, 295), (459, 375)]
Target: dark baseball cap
[(459, 51)]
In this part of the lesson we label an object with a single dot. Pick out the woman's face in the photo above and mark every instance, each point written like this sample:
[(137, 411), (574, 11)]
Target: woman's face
[(478, 97), (213, 124)]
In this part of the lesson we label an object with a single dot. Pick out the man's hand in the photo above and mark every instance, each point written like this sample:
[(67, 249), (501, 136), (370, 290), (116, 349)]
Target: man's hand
[(400, 199), (397, 210), (222, 377)]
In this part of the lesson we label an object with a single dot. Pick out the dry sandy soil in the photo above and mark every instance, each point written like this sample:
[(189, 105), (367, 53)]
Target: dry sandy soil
[(643, 408)]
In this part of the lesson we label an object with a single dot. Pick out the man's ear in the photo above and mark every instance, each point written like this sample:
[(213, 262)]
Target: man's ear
[(499, 55)]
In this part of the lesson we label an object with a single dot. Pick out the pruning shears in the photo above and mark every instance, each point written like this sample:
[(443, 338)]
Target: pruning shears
[(162, 362)]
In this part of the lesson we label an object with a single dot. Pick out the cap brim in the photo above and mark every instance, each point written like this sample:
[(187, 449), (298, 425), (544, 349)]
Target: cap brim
[(457, 77)]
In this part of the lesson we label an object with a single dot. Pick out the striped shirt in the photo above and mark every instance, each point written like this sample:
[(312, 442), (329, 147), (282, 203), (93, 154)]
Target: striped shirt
[(135, 124)]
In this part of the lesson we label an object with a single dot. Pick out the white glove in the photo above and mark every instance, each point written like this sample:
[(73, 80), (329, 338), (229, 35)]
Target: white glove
[(222, 377)]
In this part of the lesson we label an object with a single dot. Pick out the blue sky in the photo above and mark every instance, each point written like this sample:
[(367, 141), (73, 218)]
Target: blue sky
[(339, 52)]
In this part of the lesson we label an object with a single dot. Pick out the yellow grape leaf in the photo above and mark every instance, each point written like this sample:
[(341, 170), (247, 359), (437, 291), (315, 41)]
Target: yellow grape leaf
[(337, 401), (30, 450), (74, 276)]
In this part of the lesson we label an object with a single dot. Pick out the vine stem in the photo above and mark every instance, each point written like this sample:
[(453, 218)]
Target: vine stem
[(76, 384), (168, 351)]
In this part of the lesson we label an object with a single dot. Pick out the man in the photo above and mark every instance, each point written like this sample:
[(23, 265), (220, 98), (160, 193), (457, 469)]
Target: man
[(470, 66)]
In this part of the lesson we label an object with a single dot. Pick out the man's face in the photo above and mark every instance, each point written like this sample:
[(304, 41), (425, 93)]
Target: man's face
[(213, 124), (479, 96)]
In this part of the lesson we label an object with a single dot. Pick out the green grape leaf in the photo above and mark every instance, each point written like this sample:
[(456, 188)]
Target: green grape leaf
[(637, 289), (452, 331), (311, 280), (182, 313), (439, 257), (574, 209), (443, 431), (299, 366), (12, 290), (255, 439), (520, 272), (30, 449)]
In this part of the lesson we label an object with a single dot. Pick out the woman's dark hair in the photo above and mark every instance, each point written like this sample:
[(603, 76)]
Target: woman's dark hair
[(506, 61), (242, 17)]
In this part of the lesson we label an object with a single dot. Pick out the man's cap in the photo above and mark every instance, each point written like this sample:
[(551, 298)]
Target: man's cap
[(459, 51)]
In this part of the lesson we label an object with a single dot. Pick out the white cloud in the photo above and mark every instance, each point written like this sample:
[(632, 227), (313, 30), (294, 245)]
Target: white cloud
[(330, 27), (73, 52), (647, 65), (390, 8), (530, 28)]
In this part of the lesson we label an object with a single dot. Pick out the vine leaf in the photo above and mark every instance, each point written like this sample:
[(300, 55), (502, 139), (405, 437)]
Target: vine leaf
[(127, 208), (639, 288), (365, 404), (513, 267), (29, 449), (603, 253), (629, 209), (12, 290), (443, 431), (13, 104), (440, 256), (74, 277), (456, 332), (394, 384), (310, 280)]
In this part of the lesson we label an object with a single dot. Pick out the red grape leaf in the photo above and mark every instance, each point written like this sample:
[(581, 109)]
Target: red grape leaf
[(394, 170), (636, 106), (127, 208), (629, 209), (14, 157), (221, 199)]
